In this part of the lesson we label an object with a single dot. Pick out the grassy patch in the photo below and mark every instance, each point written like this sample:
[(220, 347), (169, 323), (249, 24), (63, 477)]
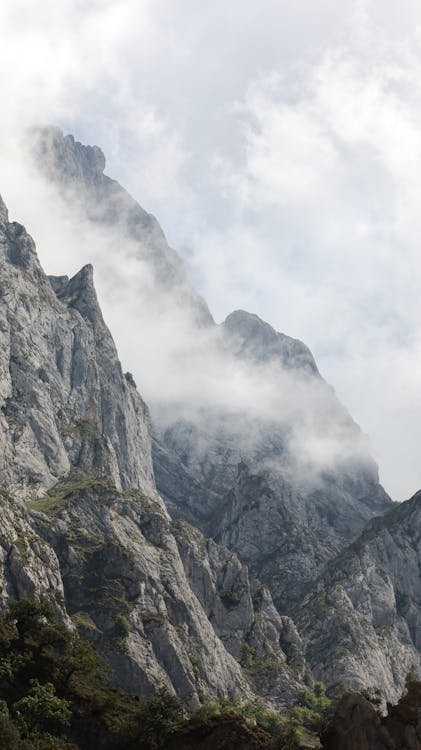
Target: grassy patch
[(57, 497)]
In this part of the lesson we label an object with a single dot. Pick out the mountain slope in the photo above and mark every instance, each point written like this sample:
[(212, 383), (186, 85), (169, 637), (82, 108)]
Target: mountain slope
[(362, 620), (253, 396), (82, 522)]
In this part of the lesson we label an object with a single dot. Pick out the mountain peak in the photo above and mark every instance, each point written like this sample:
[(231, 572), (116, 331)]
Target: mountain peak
[(62, 157), (79, 293), (252, 338)]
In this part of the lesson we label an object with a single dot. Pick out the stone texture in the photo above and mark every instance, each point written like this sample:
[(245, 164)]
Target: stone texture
[(28, 565), (64, 400), (356, 726), (126, 588), (94, 536), (244, 617), (360, 623)]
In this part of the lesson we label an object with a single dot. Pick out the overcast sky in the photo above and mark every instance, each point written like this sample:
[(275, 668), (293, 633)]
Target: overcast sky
[(279, 145)]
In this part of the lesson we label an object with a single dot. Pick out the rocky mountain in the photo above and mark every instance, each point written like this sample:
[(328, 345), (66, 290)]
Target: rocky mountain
[(82, 521), (306, 474), (362, 620), (233, 541)]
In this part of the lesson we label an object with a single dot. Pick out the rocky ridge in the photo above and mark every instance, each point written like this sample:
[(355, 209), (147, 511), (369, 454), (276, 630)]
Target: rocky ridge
[(289, 533), (83, 523)]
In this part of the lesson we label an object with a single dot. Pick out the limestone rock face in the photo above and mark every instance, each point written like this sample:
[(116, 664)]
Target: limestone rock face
[(28, 565), (82, 521), (64, 399), (244, 617), (361, 623), (291, 431), (284, 480), (126, 588), (254, 483)]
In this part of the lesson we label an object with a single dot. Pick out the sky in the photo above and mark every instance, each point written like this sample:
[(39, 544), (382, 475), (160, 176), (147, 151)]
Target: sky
[(279, 145)]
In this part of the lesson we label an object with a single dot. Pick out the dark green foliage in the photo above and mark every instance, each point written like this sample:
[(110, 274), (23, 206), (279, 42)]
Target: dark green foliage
[(247, 656), (314, 709), (55, 692)]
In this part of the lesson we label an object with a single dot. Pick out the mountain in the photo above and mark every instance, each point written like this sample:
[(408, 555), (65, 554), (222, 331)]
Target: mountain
[(280, 473), (82, 521), (232, 536)]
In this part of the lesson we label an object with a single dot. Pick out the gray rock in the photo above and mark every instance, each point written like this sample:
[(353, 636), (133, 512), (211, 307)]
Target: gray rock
[(63, 398), (242, 614), (94, 535), (126, 588), (361, 622)]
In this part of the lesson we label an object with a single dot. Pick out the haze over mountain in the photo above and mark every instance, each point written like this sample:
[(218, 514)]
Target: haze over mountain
[(237, 511), (284, 168)]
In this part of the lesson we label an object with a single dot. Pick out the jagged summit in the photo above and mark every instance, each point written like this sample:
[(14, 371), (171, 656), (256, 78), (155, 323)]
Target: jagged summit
[(79, 293), (78, 173), (64, 157), (252, 338)]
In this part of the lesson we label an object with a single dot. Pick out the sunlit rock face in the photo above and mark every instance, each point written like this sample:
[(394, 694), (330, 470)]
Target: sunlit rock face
[(361, 622), (65, 400)]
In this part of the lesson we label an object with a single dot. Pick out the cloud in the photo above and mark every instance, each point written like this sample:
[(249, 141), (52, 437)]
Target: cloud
[(279, 146)]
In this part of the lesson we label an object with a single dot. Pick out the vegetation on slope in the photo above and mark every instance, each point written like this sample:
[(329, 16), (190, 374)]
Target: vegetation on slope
[(56, 694)]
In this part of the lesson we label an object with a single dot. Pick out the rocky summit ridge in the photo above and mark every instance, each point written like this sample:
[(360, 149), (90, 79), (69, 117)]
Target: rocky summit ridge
[(206, 547)]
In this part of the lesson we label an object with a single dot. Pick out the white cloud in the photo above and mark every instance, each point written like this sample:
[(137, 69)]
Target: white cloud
[(278, 144)]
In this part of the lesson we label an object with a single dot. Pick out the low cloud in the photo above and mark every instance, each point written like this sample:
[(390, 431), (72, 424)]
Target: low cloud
[(280, 148)]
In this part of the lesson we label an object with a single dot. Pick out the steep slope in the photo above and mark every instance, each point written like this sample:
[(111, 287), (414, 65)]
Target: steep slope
[(82, 522), (287, 491), (64, 399), (78, 171), (361, 623), (307, 468)]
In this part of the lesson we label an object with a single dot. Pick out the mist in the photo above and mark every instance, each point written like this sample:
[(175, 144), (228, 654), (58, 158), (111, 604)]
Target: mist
[(280, 149)]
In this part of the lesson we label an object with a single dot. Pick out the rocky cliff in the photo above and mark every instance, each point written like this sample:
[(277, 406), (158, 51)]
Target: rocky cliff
[(361, 621), (82, 521), (235, 541)]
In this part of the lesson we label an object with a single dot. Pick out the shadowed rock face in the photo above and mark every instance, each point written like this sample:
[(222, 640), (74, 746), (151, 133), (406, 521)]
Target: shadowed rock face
[(357, 726), (403, 721), (228, 733)]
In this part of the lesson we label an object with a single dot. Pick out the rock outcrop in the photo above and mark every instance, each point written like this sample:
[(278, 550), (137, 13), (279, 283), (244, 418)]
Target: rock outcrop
[(64, 399), (356, 724), (361, 621)]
